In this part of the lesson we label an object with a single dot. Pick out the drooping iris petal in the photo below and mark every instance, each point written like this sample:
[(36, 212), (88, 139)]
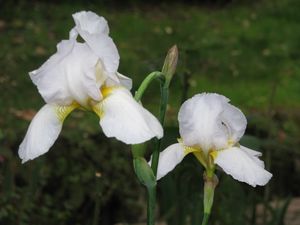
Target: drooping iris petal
[(254, 155), (68, 75), (242, 167), (94, 30), (123, 118), (251, 152), (169, 159), (43, 131)]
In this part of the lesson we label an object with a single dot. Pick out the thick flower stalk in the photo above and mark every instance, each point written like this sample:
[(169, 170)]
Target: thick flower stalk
[(84, 76), (210, 129)]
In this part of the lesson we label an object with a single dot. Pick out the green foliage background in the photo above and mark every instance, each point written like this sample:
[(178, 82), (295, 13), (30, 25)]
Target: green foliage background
[(248, 51)]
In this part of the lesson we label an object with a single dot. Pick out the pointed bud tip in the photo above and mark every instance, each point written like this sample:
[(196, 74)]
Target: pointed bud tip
[(170, 62), (174, 50)]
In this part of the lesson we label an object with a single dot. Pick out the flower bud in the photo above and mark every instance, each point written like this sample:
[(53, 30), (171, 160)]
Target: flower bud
[(170, 63), (144, 172)]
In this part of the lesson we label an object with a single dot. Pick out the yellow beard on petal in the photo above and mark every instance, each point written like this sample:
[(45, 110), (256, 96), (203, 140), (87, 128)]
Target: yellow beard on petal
[(63, 111), (98, 109), (198, 152), (213, 154), (98, 106), (105, 90)]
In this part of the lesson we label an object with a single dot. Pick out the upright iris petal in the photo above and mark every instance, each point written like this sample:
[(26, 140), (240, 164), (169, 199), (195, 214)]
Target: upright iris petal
[(210, 127), (84, 75)]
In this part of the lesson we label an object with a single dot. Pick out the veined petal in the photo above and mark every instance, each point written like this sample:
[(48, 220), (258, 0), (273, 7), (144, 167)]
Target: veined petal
[(94, 30), (169, 159), (43, 131), (242, 167), (123, 118)]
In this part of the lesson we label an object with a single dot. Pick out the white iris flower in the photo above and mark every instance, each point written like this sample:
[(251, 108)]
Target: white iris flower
[(211, 128), (84, 75)]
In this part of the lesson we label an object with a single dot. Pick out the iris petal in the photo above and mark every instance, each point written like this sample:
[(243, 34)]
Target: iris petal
[(43, 131), (125, 119), (242, 167)]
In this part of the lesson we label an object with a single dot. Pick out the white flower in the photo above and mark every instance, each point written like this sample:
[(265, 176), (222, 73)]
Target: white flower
[(84, 75), (210, 127)]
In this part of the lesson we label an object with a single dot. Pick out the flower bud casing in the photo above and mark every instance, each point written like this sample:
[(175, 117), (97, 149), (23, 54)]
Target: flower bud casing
[(144, 172)]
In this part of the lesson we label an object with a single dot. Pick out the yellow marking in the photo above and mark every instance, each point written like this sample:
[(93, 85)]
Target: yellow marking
[(230, 142), (98, 109), (188, 150), (98, 106), (198, 153), (105, 90), (201, 158), (63, 111), (214, 154), (180, 140)]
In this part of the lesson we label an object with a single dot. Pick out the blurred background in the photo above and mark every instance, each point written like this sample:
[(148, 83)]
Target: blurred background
[(246, 50)]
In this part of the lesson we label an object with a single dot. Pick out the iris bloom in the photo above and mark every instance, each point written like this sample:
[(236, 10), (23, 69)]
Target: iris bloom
[(84, 75), (211, 128)]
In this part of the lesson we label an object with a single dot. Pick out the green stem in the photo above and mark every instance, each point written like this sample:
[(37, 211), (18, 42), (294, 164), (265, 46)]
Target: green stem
[(210, 183), (164, 88), (151, 205), (152, 76), (165, 77), (205, 219), (164, 85)]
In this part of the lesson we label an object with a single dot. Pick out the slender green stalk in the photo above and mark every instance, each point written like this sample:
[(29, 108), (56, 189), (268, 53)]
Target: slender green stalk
[(152, 76), (163, 108), (137, 149), (210, 183), (205, 219), (151, 205), (168, 71), (142, 170), (155, 154)]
